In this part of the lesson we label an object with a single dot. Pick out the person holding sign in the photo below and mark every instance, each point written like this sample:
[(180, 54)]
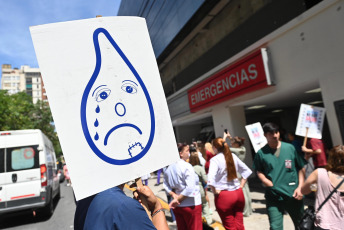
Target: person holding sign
[(224, 183), (112, 209), (181, 182), (316, 149), (280, 168)]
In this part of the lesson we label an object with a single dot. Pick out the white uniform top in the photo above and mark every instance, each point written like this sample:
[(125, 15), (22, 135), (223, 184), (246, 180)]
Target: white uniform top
[(182, 179), (201, 159), (217, 175)]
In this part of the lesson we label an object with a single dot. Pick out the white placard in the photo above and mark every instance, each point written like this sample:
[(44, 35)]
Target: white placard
[(107, 100), (256, 135), (310, 117)]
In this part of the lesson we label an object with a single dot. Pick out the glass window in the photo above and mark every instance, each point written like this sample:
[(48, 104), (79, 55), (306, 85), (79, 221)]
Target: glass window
[(21, 158), (2, 160)]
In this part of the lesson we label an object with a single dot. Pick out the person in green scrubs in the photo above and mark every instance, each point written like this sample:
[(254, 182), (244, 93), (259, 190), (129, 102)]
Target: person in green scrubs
[(280, 168)]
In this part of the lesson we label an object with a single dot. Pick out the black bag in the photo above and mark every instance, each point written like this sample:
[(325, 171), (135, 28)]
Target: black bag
[(307, 221)]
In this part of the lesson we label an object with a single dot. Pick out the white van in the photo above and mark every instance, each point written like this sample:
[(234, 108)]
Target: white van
[(28, 172)]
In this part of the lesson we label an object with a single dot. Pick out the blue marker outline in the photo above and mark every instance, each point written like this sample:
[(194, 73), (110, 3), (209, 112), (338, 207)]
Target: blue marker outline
[(125, 110), (87, 92)]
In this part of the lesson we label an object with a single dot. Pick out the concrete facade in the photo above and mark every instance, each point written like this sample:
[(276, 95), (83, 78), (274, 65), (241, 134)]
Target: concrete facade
[(24, 79), (305, 54)]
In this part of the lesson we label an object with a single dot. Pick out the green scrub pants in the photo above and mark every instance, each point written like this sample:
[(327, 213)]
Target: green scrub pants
[(276, 208)]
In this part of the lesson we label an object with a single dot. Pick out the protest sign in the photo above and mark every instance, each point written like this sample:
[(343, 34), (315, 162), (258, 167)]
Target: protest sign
[(256, 135), (310, 121), (107, 100)]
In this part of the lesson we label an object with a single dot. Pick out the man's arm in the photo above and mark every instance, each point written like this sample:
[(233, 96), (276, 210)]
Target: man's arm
[(297, 193), (266, 181)]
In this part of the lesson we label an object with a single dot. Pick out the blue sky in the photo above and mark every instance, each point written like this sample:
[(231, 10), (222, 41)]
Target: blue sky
[(17, 16)]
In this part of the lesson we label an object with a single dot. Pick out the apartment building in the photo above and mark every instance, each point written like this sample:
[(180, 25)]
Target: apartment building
[(24, 79)]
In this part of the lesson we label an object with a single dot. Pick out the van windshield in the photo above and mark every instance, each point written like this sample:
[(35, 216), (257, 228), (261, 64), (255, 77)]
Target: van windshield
[(21, 158)]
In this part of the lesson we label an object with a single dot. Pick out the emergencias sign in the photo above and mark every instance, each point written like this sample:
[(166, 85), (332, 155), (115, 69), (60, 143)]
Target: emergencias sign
[(246, 75)]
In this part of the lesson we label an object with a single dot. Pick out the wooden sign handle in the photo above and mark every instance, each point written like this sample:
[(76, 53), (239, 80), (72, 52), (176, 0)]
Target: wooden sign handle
[(305, 139), (143, 199)]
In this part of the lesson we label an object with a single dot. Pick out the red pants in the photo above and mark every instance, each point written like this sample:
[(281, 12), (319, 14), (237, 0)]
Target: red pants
[(189, 218), (230, 206)]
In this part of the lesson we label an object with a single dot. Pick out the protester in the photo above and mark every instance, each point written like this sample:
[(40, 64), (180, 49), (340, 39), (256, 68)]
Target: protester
[(66, 174), (181, 182), (224, 183), (158, 177), (195, 162), (280, 168), (209, 154), (316, 149), (331, 215), (238, 148), (145, 178), (198, 145), (112, 209), (295, 142)]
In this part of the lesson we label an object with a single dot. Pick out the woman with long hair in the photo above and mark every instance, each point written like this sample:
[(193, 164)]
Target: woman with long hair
[(224, 183), (323, 181), (238, 148)]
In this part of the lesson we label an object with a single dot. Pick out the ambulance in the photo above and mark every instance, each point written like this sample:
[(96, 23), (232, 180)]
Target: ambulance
[(28, 172)]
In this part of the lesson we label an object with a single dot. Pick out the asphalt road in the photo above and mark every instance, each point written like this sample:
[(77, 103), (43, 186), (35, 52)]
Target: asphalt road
[(61, 219)]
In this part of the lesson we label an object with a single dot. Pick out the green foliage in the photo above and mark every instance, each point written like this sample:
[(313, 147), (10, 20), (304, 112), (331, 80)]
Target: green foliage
[(17, 111)]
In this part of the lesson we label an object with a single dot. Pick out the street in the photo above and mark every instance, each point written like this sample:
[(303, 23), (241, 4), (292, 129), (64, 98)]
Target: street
[(61, 219)]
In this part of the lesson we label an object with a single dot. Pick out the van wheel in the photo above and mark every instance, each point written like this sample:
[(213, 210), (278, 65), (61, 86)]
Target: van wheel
[(58, 195), (48, 210)]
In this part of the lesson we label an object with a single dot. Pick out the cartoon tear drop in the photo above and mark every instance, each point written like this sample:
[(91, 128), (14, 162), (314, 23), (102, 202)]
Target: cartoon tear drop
[(96, 137), (127, 115)]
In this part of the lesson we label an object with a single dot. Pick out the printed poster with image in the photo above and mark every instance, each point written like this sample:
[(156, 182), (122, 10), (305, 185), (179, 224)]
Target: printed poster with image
[(256, 135), (310, 117), (107, 100)]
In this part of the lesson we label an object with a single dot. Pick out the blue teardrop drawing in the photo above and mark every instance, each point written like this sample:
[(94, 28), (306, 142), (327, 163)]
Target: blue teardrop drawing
[(127, 117)]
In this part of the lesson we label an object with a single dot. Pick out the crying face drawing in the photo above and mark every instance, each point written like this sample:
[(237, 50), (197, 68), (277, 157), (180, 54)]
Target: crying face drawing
[(117, 115)]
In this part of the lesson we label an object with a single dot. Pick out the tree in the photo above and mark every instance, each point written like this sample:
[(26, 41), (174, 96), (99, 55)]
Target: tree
[(17, 112)]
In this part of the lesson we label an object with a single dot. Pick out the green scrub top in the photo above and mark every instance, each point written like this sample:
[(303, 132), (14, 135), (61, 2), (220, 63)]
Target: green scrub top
[(282, 170)]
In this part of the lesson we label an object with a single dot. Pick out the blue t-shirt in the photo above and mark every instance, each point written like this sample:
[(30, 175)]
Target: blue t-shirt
[(112, 209)]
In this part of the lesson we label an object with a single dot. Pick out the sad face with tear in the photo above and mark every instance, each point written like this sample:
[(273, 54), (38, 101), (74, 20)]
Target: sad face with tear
[(117, 115)]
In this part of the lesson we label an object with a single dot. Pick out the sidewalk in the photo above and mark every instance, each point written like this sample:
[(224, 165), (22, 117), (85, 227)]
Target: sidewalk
[(258, 220)]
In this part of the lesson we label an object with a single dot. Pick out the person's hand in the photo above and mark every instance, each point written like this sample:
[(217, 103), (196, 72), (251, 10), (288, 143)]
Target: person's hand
[(297, 194), (307, 156), (304, 149), (268, 183), (174, 196), (174, 203), (146, 193), (217, 192)]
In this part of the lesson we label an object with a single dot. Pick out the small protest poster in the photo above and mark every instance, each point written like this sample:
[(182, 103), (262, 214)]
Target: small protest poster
[(256, 135), (107, 100), (311, 118)]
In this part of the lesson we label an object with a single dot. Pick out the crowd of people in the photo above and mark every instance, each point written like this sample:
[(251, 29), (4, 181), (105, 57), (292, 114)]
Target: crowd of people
[(218, 167)]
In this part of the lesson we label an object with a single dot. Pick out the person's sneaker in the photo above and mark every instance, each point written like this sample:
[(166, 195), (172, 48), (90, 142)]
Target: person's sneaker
[(157, 184), (68, 184)]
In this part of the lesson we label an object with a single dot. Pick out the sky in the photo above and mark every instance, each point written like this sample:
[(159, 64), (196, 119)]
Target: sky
[(16, 16)]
